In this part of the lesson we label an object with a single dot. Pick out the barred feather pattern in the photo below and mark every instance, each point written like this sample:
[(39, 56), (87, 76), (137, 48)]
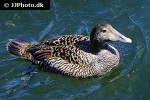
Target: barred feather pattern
[(97, 65), (66, 40), (61, 66), (69, 53)]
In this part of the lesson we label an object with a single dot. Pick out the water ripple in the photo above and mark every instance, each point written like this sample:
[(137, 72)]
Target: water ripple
[(139, 23), (85, 93), (46, 30)]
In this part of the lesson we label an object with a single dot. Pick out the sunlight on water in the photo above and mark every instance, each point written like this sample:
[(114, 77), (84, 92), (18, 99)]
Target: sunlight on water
[(46, 30)]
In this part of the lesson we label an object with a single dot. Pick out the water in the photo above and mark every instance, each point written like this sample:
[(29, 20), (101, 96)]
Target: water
[(131, 81)]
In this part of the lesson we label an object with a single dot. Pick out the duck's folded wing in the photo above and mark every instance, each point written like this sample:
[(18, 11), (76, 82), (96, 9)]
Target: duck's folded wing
[(67, 60), (66, 40), (60, 65), (70, 54)]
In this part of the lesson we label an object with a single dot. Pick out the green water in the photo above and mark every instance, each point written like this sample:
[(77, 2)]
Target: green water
[(130, 81)]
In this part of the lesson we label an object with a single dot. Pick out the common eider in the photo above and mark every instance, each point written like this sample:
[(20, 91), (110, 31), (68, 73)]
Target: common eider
[(73, 55)]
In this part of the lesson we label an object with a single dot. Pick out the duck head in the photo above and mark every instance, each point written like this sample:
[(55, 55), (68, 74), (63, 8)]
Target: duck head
[(102, 33)]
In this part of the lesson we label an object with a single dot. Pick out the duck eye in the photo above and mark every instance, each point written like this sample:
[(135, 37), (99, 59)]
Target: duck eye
[(103, 31)]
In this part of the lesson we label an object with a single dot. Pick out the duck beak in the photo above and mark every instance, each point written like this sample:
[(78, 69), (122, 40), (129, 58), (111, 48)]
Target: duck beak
[(121, 38), (124, 39)]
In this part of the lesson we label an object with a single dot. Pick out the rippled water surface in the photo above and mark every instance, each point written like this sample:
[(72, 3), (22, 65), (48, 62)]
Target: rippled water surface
[(130, 81)]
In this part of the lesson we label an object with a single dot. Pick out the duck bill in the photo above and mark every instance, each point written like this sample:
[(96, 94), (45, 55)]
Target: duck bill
[(121, 38), (124, 39)]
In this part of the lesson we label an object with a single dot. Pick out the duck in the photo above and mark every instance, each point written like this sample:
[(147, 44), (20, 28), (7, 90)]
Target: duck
[(73, 55)]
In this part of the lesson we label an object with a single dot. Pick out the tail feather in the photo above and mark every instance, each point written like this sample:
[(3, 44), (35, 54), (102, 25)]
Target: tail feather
[(18, 47)]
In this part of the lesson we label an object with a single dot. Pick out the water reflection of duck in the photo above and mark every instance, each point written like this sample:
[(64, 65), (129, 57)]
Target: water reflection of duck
[(73, 55)]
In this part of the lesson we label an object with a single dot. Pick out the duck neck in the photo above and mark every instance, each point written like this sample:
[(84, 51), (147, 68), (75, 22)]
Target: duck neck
[(97, 46), (96, 43)]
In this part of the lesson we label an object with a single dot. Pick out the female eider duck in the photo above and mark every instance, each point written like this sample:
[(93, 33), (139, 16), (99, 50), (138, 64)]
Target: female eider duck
[(73, 55)]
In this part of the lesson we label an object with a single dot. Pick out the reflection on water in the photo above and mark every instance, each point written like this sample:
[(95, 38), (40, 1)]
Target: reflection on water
[(128, 81)]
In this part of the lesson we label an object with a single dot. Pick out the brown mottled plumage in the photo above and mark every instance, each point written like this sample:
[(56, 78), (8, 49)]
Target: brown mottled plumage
[(73, 55)]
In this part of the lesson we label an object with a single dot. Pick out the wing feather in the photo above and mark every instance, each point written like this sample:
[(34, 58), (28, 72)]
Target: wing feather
[(65, 40), (60, 65), (70, 53)]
